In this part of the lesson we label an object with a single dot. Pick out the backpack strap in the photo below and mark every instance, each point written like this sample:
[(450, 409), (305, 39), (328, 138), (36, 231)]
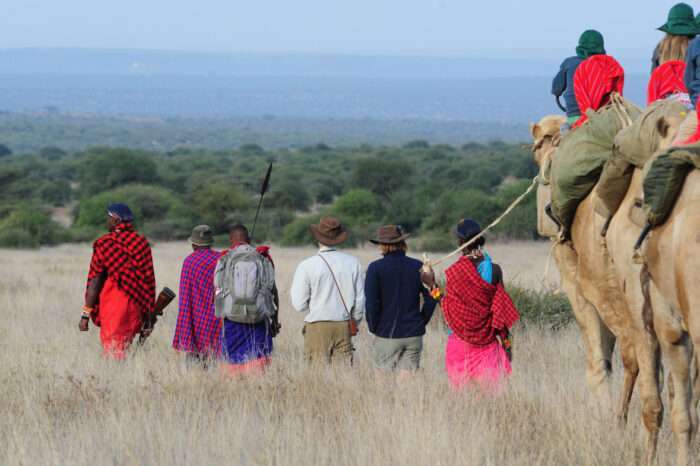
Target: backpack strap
[(337, 286)]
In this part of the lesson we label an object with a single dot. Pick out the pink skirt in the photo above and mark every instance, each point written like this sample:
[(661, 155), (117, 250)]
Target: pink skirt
[(483, 366)]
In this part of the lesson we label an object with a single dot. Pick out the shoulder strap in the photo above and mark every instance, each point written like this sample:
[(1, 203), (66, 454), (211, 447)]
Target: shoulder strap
[(336, 285)]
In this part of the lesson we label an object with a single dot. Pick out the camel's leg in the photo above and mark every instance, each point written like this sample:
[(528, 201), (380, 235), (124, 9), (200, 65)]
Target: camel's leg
[(648, 358), (696, 391), (598, 341), (675, 345), (631, 367)]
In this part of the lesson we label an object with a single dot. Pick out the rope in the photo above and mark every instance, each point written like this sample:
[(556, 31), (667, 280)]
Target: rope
[(427, 263)]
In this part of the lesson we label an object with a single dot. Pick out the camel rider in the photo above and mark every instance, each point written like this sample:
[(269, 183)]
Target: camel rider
[(590, 43), (597, 78), (680, 29), (692, 67)]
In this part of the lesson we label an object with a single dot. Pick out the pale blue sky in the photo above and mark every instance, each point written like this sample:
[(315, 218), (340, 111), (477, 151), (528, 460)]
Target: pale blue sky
[(508, 28)]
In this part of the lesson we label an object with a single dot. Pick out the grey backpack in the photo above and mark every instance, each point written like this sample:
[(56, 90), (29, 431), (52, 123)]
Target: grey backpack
[(243, 283)]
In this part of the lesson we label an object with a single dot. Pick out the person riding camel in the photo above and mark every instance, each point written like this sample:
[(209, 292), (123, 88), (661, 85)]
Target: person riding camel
[(667, 83), (680, 29), (590, 43), (596, 79)]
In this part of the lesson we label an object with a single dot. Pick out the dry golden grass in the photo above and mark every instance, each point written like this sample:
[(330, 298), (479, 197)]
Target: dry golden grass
[(63, 404)]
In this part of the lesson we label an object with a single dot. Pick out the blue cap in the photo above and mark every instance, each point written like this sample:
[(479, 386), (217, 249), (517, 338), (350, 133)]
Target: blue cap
[(467, 229), (122, 211)]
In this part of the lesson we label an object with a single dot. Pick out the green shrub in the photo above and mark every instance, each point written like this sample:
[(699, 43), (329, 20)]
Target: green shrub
[(437, 242), (219, 204), (105, 168), (542, 308), (28, 226), (358, 207), (297, 233), (149, 204)]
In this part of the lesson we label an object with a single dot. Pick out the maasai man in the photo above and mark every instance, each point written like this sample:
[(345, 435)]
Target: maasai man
[(121, 285), (393, 292), (479, 313), (590, 43), (246, 347), (680, 29), (329, 287), (198, 330)]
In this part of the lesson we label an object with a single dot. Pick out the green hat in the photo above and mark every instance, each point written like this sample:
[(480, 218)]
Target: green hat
[(590, 43), (681, 21), (202, 236)]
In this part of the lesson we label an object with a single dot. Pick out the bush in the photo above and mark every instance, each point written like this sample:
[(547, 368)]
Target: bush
[(149, 204), (437, 242), (217, 204), (542, 308), (297, 232), (358, 207), (28, 226), (289, 193), (104, 169), (381, 176)]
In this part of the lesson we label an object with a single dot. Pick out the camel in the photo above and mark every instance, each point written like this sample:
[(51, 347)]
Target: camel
[(657, 294), (668, 282), (588, 281)]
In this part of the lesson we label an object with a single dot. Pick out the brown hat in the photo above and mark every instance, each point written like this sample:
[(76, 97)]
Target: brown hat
[(329, 231), (390, 234)]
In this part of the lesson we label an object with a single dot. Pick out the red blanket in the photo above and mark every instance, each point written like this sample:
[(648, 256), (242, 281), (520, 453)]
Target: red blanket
[(475, 310), (596, 78), (126, 257), (666, 80)]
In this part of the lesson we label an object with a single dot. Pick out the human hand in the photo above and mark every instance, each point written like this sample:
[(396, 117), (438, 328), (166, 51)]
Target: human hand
[(427, 276)]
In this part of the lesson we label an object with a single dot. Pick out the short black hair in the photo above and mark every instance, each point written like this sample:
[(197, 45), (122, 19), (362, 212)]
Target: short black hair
[(239, 229)]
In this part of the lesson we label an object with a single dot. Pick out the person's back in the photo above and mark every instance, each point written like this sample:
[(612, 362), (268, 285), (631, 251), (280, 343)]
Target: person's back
[(394, 282), (329, 288), (198, 330), (590, 43), (563, 86), (393, 290), (680, 29)]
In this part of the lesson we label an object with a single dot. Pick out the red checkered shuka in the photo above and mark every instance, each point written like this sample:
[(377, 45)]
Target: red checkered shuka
[(596, 78), (666, 80), (126, 257), (475, 310)]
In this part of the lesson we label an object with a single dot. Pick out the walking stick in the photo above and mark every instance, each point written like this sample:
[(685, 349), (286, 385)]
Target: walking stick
[(263, 190)]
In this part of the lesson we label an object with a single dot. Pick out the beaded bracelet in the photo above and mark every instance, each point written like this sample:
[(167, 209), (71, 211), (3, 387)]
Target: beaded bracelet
[(87, 311), (436, 293)]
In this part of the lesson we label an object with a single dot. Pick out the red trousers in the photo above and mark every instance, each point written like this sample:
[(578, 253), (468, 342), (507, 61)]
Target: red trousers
[(120, 320)]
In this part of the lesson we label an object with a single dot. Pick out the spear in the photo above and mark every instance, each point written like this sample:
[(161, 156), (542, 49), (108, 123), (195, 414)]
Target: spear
[(263, 190)]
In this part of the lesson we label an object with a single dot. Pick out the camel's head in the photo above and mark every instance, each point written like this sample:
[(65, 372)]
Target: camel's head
[(545, 137), (667, 128)]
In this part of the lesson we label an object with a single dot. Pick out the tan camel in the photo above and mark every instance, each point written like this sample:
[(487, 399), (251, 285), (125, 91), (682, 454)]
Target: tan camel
[(657, 294), (668, 282), (588, 280)]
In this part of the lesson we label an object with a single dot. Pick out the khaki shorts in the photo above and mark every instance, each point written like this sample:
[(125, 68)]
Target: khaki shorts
[(398, 353), (326, 341)]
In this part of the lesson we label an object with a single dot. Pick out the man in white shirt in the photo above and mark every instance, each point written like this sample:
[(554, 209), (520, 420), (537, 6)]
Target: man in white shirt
[(329, 286)]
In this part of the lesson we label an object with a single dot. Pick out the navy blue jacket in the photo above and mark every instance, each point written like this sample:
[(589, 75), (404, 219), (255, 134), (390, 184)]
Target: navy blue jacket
[(692, 70), (392, 290), (563, 84)]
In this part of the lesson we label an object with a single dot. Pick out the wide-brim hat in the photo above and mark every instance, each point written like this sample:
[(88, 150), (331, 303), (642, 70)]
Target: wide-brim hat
[(390, 234), (681, 21), (329, 231), (202, 235)]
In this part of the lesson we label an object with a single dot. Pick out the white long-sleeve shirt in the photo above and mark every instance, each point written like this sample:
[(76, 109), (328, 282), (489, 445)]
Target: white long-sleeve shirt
[(314, 291)]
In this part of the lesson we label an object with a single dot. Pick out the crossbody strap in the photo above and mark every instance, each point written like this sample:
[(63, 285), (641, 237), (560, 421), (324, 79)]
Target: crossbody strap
[(337, 286)]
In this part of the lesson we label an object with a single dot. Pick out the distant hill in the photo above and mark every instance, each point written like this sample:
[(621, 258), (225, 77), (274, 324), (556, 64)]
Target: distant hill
[(155, 99)]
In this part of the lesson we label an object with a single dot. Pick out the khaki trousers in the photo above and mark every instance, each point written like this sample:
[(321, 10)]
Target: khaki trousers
[(326, 341)]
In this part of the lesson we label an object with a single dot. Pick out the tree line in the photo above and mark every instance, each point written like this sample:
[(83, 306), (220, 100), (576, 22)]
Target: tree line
[(52, 196)]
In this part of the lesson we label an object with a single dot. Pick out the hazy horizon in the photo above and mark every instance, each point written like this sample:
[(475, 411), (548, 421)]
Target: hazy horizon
[(433, 28)]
